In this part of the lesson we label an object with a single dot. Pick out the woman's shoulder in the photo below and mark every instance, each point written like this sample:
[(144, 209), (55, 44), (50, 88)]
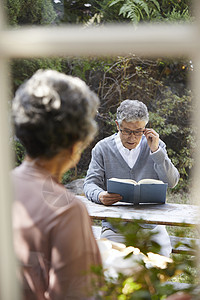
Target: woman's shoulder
[(73, 210), (68, 199)]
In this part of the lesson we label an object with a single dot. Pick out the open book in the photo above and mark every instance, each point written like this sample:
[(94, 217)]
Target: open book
[(144, 191)]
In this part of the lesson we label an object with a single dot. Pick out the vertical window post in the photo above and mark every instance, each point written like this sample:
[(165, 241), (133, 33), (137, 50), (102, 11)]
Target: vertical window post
[(8, 282)]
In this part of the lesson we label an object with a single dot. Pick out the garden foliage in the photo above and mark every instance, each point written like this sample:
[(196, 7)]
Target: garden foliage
[(144, 280), (162, 84)]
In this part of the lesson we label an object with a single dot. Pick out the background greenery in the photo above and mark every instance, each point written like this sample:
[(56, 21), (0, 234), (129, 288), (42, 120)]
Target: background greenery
[(162, 83)]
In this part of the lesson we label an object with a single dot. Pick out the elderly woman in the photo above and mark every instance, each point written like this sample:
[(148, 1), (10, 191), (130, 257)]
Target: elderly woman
[(53, 117), (135, 152)]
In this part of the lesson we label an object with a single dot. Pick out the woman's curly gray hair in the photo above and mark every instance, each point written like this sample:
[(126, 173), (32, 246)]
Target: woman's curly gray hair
[(52, 111), (131, 111)]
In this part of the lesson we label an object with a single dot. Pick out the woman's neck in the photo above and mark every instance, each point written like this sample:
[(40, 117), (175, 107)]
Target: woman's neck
[(56, 166), (61, 162)]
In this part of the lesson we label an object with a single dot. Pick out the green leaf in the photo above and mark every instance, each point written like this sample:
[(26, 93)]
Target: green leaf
[(115, 2), (156, 3)]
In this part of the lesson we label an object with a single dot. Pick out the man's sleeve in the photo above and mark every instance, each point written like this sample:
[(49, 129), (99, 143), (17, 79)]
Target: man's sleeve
[(163, 166), (95, 180)]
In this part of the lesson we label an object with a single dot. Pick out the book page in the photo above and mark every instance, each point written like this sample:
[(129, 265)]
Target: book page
[(150, 181), (124, 180)]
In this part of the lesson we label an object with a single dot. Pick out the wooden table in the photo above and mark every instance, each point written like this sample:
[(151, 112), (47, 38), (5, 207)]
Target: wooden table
[(164, 214)]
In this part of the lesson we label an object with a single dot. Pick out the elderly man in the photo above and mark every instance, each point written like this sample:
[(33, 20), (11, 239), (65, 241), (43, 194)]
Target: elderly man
[(135, 152)]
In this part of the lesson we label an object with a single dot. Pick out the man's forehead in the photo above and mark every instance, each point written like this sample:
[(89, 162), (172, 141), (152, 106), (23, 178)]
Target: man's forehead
[(133, 124)]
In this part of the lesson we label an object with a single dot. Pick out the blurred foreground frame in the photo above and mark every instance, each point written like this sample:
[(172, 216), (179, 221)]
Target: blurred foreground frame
[(27, 45), (154, 276)]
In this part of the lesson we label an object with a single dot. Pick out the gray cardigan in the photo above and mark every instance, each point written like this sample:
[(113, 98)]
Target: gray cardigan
[(107, 162)]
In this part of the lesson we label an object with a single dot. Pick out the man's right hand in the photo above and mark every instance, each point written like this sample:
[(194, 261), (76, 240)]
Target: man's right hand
[(109, 199)]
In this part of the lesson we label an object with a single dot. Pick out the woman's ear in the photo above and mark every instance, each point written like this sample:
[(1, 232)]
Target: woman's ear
[(72, 154), (77, 149), (117, 125)]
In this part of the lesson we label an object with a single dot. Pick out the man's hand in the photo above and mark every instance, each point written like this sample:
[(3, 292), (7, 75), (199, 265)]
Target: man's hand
[(179, 296), (109, 199), (152, 139)]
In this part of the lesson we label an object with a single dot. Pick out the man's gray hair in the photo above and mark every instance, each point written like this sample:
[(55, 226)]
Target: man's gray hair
[(131, 111)]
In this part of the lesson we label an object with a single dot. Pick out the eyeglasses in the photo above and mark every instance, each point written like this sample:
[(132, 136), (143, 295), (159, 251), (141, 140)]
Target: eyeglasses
[(128, 132)]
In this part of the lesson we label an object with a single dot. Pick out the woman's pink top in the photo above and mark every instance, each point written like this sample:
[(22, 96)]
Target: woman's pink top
[(53, 238)]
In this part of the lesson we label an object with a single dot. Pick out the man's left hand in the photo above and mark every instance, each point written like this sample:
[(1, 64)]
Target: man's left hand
[(152, 139)]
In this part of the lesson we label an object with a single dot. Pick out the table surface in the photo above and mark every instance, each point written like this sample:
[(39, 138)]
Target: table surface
[(165, 214)]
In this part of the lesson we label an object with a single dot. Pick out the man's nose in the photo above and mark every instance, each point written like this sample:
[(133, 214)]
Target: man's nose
[(132, 136)]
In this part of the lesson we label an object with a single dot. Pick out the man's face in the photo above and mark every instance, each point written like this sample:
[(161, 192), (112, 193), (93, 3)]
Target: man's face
[(128, 139)]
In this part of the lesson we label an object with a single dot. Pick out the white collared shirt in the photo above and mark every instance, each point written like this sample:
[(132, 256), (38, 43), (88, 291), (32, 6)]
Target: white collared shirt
[(130, 156)]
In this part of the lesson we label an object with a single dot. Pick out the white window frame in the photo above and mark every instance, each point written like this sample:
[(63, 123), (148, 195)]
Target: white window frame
[(147, 40)]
